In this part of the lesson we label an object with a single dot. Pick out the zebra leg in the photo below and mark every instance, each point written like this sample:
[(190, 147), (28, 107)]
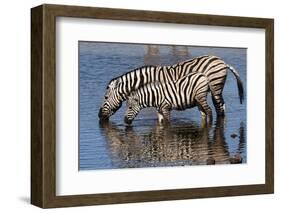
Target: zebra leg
[(164, 114), (219, 104), (160, 118), (164, 117), (205, 110), (216, 88)]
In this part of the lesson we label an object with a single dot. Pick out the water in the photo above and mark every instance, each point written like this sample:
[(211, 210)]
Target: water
[(146, 144)]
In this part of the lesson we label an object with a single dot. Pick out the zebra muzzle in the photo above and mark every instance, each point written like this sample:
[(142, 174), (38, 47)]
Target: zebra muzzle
[(101, 115), (127, 121)]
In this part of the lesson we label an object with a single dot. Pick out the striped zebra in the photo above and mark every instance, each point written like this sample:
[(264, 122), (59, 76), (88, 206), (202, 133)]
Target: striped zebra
[(213, 67), (187, 92)]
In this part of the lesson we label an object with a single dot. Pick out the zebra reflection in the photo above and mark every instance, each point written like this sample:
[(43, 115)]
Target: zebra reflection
[(178, 144)]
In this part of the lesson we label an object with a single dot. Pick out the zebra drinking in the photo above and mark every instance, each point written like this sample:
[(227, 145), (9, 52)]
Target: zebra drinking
[(187, 92), (213, 67)]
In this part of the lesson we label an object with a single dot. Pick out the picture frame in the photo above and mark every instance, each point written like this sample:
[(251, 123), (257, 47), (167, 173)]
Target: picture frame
[(43, 105)]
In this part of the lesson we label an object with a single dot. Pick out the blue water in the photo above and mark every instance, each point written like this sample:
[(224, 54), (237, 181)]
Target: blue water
[(146, 144)]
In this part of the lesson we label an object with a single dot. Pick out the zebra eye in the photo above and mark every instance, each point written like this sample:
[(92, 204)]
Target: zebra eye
[(130, 107), (105, 97)]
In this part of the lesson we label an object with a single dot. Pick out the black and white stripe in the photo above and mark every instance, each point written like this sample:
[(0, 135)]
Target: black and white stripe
[(213, 67), (188, 91)]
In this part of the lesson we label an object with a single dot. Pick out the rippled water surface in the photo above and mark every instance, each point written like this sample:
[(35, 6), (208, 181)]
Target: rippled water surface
[(184, 142)]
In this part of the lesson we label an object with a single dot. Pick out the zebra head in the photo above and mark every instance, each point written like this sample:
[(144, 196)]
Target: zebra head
[(133, 108), (112, 100)]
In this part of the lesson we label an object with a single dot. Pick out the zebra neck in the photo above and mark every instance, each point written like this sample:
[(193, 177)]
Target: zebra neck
[(122, 92)]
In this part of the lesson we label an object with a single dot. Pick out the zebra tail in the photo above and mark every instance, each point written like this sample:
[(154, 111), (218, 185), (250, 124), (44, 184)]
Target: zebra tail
[(239, 83)]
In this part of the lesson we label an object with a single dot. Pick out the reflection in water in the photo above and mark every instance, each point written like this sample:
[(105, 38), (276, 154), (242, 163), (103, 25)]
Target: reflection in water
[(177, 144)]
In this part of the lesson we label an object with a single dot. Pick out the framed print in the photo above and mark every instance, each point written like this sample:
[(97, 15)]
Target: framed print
[(136, 106)]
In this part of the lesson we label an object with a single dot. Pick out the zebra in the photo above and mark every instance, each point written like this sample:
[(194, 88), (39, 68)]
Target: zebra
[(187, 92), (213, 67)]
